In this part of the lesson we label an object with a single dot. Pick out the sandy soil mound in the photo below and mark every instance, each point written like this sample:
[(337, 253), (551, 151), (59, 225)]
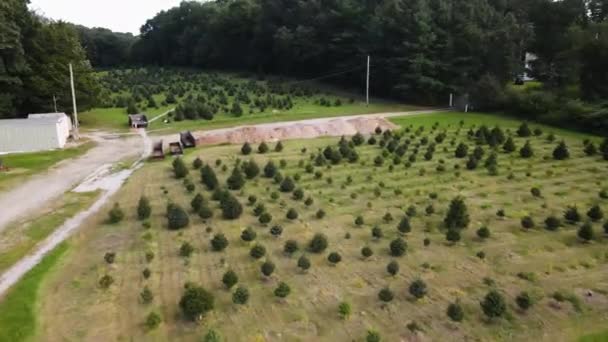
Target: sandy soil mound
[(294, 130)]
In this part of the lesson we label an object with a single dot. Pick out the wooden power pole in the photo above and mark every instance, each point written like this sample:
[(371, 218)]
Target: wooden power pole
[(75, 132), (367, 83)]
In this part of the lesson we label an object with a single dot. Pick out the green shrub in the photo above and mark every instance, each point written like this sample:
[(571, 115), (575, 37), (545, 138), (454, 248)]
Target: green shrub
[(177, 217), (144, 210), (318, 243), (282, 291), (398, 247), (240, 296), (230, 279), (116, 214), (493, 304), (219, 242), (195, 302), (386, 295), (455, 312), (257, 251)]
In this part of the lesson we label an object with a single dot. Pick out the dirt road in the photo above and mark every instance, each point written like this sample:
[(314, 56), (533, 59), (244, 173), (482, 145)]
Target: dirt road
[(33, 193)]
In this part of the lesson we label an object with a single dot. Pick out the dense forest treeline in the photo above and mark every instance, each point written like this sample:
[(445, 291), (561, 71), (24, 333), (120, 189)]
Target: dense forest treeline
[(34, 58), (421, 50)]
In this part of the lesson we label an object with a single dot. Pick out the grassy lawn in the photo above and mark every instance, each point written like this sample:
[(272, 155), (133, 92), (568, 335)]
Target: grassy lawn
[(23, 165), (538, 261), (18, 308), (488, 119), (599, 337), (20, 238), (113, 118)]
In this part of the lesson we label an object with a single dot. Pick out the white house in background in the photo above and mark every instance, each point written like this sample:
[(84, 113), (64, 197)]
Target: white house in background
[(38, 132), (528, 60)]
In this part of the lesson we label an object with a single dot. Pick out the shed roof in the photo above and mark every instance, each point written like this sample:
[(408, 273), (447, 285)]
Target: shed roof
[(34, 119)]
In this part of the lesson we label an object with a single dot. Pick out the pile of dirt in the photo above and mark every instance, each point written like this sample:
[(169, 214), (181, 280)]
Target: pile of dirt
[(294, 130)]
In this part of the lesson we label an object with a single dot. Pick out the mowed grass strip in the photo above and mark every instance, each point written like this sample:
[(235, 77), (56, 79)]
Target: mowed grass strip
[(22, 165), (19, 305), (19, 239)]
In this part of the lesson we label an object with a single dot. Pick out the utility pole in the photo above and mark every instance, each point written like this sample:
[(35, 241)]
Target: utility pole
[(55, 103), (76, 135), (367, 84)]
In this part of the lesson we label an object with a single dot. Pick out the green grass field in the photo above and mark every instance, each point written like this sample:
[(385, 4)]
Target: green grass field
[(18, 310), (555, 268), (22, 165)]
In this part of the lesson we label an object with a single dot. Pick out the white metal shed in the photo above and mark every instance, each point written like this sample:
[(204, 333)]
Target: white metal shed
[(39, 132)]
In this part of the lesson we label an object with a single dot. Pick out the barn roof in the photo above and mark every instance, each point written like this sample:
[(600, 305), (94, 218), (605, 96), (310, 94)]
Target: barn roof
[(34, 119)]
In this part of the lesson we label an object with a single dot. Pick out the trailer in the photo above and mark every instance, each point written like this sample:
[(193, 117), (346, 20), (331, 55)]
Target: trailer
[(157, 150), (187, 139), (176, 149)]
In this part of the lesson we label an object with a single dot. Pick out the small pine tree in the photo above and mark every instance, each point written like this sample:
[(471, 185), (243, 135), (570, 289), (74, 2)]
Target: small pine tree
[(287, 185), (344, 310), (366, 252), (144, 210), (236, 181), (263, 148), (398, 247), (116, 214), (197, 202), (282, 291), (526, 151), (461, 151), (572, 215), (231, 208), (404, 226), (595, 213), (248, 234), (509, 145), (493, 304), (267, 268), (197, 163), (524, 131), (219, 242), (270, 170), (418, 288), (177, 217), (334, 258), (552, 223), (186, 250), (230, 279), (457, 216), (527, 222), (240, 296), (196, 301), (179, 168), (257, 251), (318, 243), (278, 147), (452, 235), (146, 296), (292, 214), (251, 169), (585, 232), (524, 301), (209, 178), (561, 151), (455, 312), (392, 268), (246, 149), (303, 263), (483, 233), (290, 247), (386, 295)]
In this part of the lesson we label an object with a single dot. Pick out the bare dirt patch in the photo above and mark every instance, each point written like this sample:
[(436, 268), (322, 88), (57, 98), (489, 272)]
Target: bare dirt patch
[(294, 130)]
